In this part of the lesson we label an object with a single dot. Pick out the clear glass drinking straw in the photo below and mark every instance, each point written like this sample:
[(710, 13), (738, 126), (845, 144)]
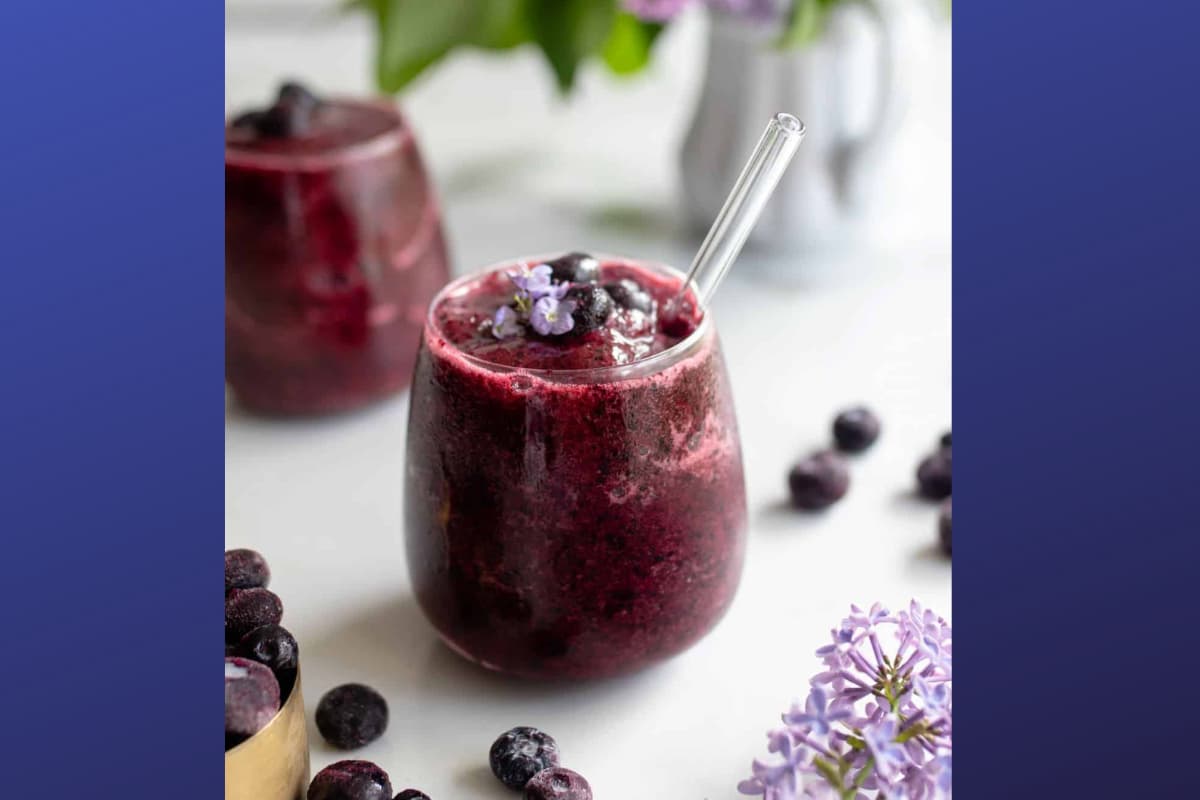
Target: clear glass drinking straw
[(742, 208)]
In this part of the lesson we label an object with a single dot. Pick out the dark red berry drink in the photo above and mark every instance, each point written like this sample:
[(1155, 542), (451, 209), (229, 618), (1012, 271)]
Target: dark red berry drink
[(575, 505), (333, 250)]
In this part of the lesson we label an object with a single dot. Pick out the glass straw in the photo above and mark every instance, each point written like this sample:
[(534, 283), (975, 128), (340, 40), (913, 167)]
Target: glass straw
[(742, 208)]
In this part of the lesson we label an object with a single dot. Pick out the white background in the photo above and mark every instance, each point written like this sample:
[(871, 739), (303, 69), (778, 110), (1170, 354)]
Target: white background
[(520, 170)]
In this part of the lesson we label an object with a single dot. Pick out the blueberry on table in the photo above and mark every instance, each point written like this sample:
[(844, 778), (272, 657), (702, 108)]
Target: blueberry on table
[(245, 569), (944, 526), (251, 699), (575, 268), (558, 783), (247, 609), (933, 475), (412, 794), (855, 429), (593, 306), (521, 753), (818, 481), (351, 780), (627, 293), (945, 440), (352, 715), (275, 648)]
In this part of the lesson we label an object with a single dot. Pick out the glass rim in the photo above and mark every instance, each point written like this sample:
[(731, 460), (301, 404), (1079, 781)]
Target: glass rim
[(613, 372), (394, 136)]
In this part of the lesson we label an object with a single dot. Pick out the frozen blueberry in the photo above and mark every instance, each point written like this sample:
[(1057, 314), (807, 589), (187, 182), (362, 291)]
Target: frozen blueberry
[(352, 715), (933, 475), (247, 609), (855, 429), (818, 481), (245, 569), (575, 268), (629, 294), (350, 780), (275, 648), (296, 92), (251, 699), (412, 794), (944, 526), (945, 440), (520, 754), (593, 307), (558, 783)]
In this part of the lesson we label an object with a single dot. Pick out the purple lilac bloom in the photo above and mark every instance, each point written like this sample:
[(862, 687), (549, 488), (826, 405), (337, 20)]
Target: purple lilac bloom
[(656, 10), (878, 720), (552, 317), (505, 323), (817, 717)]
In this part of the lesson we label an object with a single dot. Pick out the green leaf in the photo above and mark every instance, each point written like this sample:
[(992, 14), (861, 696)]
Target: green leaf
[(569, 31), (803, 25), (628, 47), (412, 35)]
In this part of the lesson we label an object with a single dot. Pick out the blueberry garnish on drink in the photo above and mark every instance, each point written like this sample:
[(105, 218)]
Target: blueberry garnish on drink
[(628, 294), (593, 306), (289, 116), (574, 268)]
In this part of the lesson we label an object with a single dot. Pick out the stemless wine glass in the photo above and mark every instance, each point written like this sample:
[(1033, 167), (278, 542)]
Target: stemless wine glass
[(573, 523), (333, 249)]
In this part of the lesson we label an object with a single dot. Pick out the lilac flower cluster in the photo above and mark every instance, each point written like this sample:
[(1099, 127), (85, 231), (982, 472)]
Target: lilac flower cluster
[(873, 725), (539, 300), (664, 10)]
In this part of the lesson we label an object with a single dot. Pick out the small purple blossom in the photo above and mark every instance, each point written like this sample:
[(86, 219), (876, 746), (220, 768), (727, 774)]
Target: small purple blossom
[(552, 317), (817, 717), (533, 282), (877, 723), (505, 323)]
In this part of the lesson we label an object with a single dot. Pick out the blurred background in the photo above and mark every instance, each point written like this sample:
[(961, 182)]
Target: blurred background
[(842, 297)]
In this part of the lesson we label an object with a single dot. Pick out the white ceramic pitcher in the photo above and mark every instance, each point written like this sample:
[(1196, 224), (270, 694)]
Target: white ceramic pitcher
[(857, 63)]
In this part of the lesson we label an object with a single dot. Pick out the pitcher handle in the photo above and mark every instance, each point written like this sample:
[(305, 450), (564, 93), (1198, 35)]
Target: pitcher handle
[(891, 100)]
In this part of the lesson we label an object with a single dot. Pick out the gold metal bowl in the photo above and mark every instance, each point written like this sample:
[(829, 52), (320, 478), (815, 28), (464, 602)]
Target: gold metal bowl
[(273, 763)]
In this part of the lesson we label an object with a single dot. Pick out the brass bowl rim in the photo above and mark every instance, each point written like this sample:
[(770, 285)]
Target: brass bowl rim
[(295, 693)]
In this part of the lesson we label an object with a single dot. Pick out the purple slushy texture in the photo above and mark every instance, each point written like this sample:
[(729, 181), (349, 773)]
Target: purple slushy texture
[(571, 529)]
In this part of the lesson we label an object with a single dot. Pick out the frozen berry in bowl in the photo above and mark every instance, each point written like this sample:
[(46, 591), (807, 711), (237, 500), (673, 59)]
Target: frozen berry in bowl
[(558, 783), (944, 526), (251, 699), (575, 268), (351, 780), (412, 794), (274, 647), (521, 753), (933, 475), (627, 293), (818, 481), (855, 429), (351, 716), (245, 569), (593, 307), (247, 609)]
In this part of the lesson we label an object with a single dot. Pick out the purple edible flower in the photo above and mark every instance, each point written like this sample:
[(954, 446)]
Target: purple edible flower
[(877, 722), (533, 283), (551, 316), (505, 323)]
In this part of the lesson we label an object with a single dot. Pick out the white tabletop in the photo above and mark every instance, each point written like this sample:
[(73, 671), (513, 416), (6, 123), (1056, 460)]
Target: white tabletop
[(521, 171)]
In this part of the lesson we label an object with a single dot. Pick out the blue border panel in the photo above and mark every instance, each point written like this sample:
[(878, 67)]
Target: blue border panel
[(111, 143), (1077, 270)]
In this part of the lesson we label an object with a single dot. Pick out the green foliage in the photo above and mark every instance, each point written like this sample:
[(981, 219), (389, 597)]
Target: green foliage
[(805, 22), (413, 35)]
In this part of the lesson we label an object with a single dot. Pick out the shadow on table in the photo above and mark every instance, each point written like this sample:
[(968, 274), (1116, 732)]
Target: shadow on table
[(396, 648), (780, 516)]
